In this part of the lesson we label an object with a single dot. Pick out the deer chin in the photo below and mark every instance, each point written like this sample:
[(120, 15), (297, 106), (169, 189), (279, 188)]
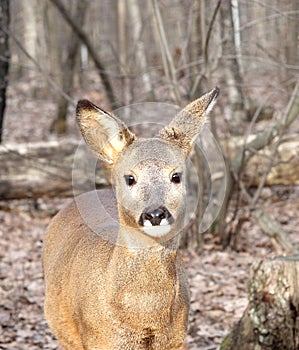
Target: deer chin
[(156, 230)]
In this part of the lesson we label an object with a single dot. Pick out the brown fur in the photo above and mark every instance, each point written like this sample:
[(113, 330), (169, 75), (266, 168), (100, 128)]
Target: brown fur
[(110, 285)]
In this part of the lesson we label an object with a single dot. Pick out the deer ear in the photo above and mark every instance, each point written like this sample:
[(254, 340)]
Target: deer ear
[(187, 124), (103, 132)]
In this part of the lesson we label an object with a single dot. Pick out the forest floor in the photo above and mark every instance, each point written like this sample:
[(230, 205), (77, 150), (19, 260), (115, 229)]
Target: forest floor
[(218, 279)]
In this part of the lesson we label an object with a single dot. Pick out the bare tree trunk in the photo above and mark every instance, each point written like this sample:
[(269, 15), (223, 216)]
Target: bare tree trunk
[(92, 52), (4, 58), (237, 33), (140, 50), (192, 237), (271, 320), (123, 52), (195, 44), (52, 31), (29, 10), (167, 58), (292, 34), (68, 70), (235, 111), (197, 50)]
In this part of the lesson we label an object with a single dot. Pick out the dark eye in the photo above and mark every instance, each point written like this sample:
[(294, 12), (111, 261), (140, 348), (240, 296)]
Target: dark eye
[(130, 180), (176, 178)]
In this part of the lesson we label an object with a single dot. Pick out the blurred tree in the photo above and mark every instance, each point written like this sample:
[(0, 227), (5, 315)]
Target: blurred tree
[(67, 67), (122, 48), (30, 33), (140, 49), (292, 37), (167, 58), (235, 109), (4, 57), (91, 50), (53, 29)]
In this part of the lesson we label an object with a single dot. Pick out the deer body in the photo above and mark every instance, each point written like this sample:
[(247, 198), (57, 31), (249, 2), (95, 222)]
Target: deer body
[(114, 278)]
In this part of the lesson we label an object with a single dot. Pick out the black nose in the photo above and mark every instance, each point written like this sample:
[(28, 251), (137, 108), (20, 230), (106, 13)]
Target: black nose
[(156, 216)]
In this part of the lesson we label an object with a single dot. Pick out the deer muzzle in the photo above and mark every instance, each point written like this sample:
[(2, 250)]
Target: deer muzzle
[(156, 222)]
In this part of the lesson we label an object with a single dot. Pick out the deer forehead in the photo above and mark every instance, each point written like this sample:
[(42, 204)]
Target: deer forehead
[(150, 155)]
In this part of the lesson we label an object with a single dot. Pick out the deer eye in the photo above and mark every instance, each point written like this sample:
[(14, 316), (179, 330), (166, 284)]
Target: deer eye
[(130, 180), (176, 178)]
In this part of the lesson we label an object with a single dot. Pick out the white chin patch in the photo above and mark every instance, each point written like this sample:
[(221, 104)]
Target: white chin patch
[(156, 231)]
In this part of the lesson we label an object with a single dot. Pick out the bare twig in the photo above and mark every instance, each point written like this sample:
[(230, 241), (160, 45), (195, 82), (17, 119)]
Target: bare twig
[(268, 224), (275, 149), (264, 138)]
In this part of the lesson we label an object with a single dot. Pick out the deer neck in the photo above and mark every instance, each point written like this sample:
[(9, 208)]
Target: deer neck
[(142, 280), (149, 268), (142, 254)]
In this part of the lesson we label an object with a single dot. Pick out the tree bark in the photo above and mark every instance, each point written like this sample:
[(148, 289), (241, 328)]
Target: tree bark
[(271, 319), (4, 58)]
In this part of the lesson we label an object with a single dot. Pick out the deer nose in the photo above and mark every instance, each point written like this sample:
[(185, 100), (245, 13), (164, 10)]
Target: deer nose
[(156, 216)]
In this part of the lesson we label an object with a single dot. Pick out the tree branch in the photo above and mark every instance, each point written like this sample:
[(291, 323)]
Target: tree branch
[(264, 138)]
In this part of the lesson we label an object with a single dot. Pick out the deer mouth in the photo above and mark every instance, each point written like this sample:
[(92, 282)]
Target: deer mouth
[(156, 222)]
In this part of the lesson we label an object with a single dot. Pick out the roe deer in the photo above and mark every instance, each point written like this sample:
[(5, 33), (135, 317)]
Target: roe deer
[(121, 285)]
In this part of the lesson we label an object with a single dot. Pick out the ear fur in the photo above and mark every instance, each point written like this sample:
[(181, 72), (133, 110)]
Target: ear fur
[(103, 132), (188, 123)]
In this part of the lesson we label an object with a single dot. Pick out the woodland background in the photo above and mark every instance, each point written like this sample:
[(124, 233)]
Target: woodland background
[(120, 52)]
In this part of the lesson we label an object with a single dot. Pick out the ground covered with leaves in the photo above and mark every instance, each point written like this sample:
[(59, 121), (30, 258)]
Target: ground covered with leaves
[(218, 279)]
